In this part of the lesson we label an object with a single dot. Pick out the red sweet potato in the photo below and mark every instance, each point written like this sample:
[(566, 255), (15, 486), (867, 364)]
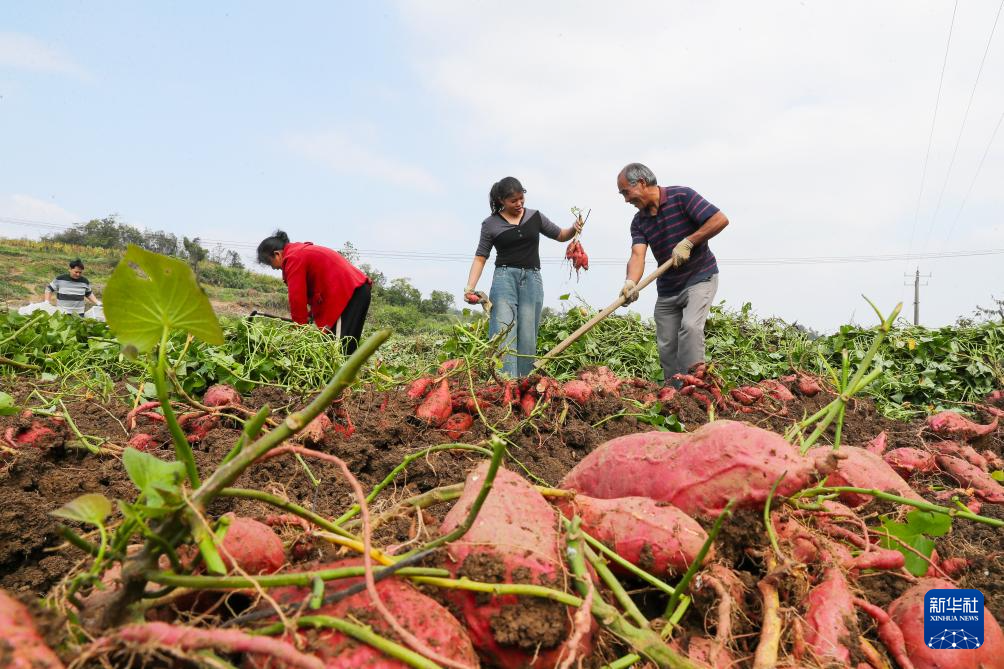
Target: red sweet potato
[(142, 441), (422, 616), (253, 546), (666, 394), (450, 365), (418, 387), (514, 539), (199, 427), (960, 450), (949, 424), (877, 444), (908, 613), (808, 386), (971, 476), (655, 536), (876, 558), (221, 395), (21, 646), (458, 425), (578, 391), (602, 381), (906, 461), (858, 468), (830, 618), (315, 430), (697, 472), (777, 390), (528, 403), (37, 435), (435, 408)]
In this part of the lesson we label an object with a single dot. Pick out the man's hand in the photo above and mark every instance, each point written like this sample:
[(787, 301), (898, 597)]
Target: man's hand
[(470, 296), (681, 252), (629, 292)]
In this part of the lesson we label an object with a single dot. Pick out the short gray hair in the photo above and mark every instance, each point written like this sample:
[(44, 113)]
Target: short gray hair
[(635, 171)]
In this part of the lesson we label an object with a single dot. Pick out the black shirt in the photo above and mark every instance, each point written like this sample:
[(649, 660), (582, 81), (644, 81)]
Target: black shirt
[(516, 245)]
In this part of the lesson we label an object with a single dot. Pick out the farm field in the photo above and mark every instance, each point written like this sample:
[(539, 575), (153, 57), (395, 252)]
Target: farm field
[(183, 492)]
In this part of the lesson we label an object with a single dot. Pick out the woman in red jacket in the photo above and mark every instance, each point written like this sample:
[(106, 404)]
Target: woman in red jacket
[(336, 292)]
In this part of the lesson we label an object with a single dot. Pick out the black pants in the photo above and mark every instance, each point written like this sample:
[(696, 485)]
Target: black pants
[(353, 318)]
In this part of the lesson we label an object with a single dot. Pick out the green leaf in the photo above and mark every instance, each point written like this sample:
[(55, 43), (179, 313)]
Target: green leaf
[(91, 508), (997, 475), (153, 476), (139, 309), (915, 564), (565, 296), (929, 523), (7, 406)]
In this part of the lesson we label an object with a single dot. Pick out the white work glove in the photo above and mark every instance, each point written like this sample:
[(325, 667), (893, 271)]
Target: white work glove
[(681, 252), (629, 291)]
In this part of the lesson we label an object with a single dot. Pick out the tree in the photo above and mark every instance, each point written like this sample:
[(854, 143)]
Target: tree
[(994, 312), (400, 293), (105, 233), (350, 252), (194, 252), (438, 302)]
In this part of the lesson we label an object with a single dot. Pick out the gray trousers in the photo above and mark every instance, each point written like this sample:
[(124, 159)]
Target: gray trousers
[(679, 327)]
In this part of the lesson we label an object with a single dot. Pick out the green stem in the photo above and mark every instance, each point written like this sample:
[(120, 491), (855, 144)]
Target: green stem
[(402, 466), (252, 428), (4, 360), (625, 662), (498, 450), (624, 564), (920, 504), (288, 506), (182, 449), (771, 534), (620, 594), (681, 587), (301, 579), (359, 633)]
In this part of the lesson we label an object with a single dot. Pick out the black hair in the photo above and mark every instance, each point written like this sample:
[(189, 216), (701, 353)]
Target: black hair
[(270, 245), (502, 189), (77, 263)]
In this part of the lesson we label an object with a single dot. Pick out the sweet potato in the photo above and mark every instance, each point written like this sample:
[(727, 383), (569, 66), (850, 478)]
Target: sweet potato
[(418, 387), (142, 441), (513, 540), (578, 391), (458, 425), (602, 381), (435, 408), (37, 434), (422, 616), (655, 536), (971, 476), (450, 365), (876, 558), (198, 428), (666, 394), (808, 386), (252, 545), (21, 646), (858, 468), (777, 390), (697, 472), (905, 461), (949, 424), (528, 402), (960, 450), (877, 444), (830, 618), (908, 613), (221, 395), (315, 430)]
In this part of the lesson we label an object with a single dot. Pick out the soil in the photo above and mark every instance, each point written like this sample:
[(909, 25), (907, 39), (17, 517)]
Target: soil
[(34, 560)]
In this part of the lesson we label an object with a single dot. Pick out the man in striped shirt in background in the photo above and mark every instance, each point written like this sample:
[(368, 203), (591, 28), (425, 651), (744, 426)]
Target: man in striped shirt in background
[(71, 290), (676, 222)]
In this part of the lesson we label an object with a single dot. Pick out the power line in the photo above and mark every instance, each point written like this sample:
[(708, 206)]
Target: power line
[(972, 183), (934, 119), (962, 128)]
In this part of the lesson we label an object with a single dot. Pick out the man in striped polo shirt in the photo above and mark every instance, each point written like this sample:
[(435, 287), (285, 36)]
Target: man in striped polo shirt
[(71, 290), (676, 222)]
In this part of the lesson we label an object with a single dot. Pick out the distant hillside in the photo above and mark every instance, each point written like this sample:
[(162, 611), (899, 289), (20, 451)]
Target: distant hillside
[(27, 266)]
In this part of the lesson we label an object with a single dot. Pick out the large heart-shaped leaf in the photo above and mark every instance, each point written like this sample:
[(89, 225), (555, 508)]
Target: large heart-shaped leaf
[(166, 297), (160, 481)]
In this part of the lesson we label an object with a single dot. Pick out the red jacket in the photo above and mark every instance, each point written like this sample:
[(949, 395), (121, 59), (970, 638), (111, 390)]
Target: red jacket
[(321, 278)]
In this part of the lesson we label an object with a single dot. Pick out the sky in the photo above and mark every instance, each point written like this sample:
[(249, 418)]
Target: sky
[(826, 132)]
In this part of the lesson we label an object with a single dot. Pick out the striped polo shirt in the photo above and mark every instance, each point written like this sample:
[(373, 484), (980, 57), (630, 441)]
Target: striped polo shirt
[(681, 212), (70, 293)]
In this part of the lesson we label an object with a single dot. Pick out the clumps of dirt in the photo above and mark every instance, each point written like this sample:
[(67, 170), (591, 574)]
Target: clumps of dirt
[(530, 624)]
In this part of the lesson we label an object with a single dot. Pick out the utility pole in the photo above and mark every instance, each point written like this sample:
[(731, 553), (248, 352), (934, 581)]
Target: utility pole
[(916, 294)]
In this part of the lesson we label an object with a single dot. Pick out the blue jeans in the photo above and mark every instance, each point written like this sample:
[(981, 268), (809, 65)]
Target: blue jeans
[(517, 297)]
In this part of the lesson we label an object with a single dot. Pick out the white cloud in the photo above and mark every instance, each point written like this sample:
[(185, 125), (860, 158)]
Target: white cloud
[(347, 155), (28, 53), (27, 216)]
